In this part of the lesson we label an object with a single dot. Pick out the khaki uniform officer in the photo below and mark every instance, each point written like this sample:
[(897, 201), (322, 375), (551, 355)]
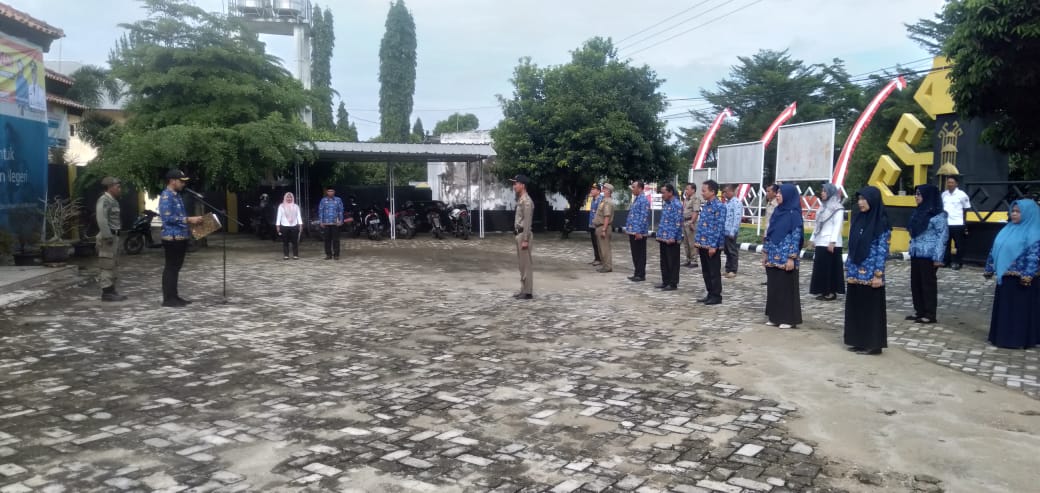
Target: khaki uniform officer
[(522, 230), (604, 216), (691, 211), (109, 226)]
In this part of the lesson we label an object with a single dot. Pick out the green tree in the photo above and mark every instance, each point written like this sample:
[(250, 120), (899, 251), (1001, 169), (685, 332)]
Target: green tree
[(92, 85), (457, 122), (397, 61), (931, 34), (323, 42), (996, 54), (418, 133), (203, 96), (346, 130), (566, 126)]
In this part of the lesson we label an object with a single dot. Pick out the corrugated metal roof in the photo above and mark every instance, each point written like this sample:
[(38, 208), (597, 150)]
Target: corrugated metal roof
[(372, 151)]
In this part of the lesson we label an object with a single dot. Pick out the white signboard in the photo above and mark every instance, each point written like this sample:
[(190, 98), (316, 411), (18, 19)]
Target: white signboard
[(699, 176), (805, 152), (656, 201), (741, 163)]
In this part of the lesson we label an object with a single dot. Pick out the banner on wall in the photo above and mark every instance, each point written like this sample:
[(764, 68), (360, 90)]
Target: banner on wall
[(23, 137)]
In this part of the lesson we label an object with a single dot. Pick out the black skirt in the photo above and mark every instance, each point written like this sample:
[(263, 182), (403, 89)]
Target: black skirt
[(1016, 318), (828, 272), (783, 305), (866, 322)]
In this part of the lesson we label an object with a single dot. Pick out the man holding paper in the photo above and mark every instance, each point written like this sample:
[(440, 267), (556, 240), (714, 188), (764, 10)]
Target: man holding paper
[(175, 234)]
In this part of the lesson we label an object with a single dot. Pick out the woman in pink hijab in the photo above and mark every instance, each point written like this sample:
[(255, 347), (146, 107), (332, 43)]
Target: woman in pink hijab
[(288, 226)]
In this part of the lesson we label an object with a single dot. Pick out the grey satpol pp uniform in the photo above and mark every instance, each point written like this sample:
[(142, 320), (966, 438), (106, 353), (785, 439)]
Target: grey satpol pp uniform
[(109, 227), (522, 228)]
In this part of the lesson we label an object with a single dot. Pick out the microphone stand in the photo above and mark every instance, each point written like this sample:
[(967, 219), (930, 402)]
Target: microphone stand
[(226, 223)]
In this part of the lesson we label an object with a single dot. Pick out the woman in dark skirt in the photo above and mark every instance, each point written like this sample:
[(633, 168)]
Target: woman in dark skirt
[(1015, 322), (928, 236), (866, 322), (828, 274), (781, 253)]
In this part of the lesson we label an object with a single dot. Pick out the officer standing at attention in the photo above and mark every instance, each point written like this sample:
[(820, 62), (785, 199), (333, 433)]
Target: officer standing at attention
[(594, 195), (604, 216), (109, 225), (691, 212), (522, 230)]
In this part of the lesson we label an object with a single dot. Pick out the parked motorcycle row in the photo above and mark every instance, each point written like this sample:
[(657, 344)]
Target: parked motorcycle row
[(412, 218)]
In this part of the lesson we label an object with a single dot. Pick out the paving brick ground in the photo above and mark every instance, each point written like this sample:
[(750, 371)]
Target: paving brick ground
[(406, 366)]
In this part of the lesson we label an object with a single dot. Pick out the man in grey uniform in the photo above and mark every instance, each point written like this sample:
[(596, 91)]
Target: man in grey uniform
[(109, 227), (522, 230)]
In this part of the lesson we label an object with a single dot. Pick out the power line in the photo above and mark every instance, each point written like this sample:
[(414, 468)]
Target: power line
[(676, 25), (666, 19), (429, 110), (723, 16)]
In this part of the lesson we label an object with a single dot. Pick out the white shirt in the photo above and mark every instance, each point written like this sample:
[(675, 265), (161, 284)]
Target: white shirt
[(285, 220), (828, 231), (954, 205)]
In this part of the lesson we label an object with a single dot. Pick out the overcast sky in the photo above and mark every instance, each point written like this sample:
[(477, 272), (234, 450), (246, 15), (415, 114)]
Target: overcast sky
[(468, 48)]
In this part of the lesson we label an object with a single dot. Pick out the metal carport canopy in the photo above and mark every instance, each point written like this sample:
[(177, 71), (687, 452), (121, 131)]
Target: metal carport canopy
[(391, 153)]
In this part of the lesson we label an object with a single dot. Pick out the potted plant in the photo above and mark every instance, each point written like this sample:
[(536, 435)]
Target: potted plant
[(60, 214), (24, 223)]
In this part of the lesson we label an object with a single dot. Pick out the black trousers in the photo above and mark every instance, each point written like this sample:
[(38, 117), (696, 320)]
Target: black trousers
[(957, 234), (638, 255), (331, 240), (924, 287), (670, 263), (175, 251), (732, 254), (595, 244), (711, 267), (291, 235)]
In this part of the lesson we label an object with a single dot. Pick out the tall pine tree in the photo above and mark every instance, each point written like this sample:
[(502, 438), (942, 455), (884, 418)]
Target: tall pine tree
[(344, 128), (324, 40), (418, 133), (397, 61)]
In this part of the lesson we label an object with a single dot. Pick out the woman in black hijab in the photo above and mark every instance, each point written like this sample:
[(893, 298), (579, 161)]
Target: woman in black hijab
[(928, 236), (866, 323)]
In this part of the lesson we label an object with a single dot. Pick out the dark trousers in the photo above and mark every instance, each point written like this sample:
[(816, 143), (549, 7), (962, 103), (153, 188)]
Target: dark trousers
[(924, 287), (711, 267), (638, 255), (595, 244), (175, 251), (670, 263), (331, 241), (291, 235), (732, 254), (958, 235)]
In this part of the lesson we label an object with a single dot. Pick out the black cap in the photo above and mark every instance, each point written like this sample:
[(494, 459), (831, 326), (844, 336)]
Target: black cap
[(176, 174), (520, 179), (597, 186)]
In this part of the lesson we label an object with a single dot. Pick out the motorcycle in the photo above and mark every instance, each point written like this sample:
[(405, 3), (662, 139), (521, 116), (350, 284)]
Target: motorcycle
[(373, 224), (458, 214), (568, 226), (433, 216), (140, 234)]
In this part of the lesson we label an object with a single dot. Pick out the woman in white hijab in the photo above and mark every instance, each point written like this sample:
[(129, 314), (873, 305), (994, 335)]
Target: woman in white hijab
[(288, 225), (828, 275)]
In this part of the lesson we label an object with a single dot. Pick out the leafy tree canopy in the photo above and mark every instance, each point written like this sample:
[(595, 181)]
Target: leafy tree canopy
[(595, 117), (931, 34), (457, 122)]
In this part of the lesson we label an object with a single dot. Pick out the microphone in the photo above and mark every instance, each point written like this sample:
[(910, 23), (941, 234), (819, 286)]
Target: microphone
[(193, 192)]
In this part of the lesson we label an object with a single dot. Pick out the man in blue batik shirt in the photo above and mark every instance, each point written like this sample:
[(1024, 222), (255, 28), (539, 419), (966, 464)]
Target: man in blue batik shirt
[(596, 198), (637, 225), (669, 236), (175, 234), (710, 238), (734, 212), (330, 215)]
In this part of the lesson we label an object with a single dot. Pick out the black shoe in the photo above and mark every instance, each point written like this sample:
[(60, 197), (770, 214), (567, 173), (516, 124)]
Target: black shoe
[(112, 297), (636, 279), (660, 286), (912, 317), (956, 267), (703, 300), (527, 296), (328, 257), (872, 352), (820, 297), (925, 320), (335, 257), (174, 303), (182, 300), (830, 297), (669, 288), (714, 301), (855, 349)]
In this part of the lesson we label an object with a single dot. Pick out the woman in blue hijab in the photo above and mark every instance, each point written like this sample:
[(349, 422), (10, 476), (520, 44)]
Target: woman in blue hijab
[(866, 321), (928, 236), (1015, 322), (781, 253)]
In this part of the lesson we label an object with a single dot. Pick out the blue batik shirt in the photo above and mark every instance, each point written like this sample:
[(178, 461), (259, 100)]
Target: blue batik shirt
[(1025, 267), (330, 211), (638, 221), (778, 253), (671, 225), (931, 244), (872, 266), (173, 215), (593, 207), (734, 211), (710, 224)]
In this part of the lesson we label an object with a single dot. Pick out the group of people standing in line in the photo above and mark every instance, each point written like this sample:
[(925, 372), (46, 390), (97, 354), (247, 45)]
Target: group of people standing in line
[(707, 225)]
